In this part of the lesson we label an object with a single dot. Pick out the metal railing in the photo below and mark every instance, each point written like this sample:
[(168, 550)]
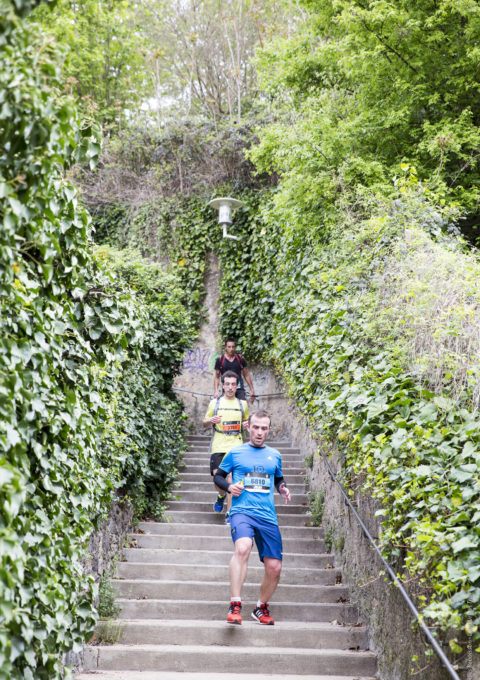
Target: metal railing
[(433, 642), (257, 396)]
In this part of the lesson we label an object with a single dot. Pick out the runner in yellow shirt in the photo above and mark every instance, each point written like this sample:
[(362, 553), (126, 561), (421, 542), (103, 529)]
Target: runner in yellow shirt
[(226, 414)]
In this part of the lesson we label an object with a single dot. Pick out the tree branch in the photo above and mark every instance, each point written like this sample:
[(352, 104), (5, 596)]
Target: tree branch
[(389, 47)]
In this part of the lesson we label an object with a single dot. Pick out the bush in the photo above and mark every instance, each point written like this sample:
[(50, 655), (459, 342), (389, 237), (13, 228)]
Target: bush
[(70, 336), (341, 320), (144, 429)]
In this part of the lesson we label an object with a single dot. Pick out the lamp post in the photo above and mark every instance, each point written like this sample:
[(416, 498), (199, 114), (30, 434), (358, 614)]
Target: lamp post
[(225, 207)]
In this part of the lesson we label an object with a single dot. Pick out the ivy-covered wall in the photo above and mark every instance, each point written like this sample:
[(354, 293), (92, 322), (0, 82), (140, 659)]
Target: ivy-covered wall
[(88, 351), (374, 332), (373, 329)]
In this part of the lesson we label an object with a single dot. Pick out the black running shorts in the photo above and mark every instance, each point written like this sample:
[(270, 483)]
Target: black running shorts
[(215, 460), (240, 394)]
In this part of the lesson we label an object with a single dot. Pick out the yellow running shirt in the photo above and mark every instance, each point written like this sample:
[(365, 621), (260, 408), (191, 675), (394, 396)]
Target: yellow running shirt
[(228, 432)]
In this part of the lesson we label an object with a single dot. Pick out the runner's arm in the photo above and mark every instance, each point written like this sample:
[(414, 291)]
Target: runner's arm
[(215, 382), (209, 418), (282, 489), (220, 480), (214, 420), (247, 377)]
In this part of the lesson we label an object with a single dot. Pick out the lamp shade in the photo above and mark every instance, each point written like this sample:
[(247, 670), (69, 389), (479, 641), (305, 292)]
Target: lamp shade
[(225, 207)]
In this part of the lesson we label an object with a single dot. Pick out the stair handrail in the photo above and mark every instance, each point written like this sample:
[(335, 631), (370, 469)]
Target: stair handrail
[(204, 394), (433, 642)]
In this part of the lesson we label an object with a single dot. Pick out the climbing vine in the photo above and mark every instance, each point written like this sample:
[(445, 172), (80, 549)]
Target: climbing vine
[(178, 231), (330, 317), (143, 429), (87, 356)]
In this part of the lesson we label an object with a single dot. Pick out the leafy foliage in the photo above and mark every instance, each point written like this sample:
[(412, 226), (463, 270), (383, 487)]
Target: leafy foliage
[(107, 594), (183, 159), (144, 428), (247, 274), (76, 345), (51, 481), (334, 283), (200, 53), (352, 373), (317, 505), (176, 231), (365, 87), (104, 56), (148, 62)]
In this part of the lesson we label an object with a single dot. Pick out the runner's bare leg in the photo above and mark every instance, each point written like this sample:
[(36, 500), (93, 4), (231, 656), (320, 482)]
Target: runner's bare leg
[(271, 578), (239, 564)]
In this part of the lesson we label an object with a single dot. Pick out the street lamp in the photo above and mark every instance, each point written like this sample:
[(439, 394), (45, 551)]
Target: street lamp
[(225, 207)]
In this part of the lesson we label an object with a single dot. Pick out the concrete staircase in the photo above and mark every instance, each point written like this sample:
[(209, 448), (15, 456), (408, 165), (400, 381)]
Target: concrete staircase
[(173, 591)]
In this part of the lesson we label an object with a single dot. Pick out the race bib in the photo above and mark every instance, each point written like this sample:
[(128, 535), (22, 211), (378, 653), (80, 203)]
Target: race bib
[(257, 482), (231, 426)]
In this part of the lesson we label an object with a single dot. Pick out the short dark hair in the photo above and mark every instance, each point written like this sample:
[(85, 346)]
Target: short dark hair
[(230, 339), (229, 374), (260, 414)]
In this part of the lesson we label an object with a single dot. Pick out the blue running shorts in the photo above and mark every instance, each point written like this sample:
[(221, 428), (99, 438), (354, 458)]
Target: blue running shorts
[(266, 535)]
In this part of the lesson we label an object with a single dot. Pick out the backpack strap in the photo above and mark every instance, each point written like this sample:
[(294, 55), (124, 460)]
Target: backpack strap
[(241, 407), (237, 356), (215, 412)]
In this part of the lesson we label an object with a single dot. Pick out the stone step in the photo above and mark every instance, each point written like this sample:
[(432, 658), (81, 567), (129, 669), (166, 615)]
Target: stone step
[(186, 542), (216, 610), (136, 589), (220, 572), (201, 476), (173, 675), (274, 443), (205, 506), (214, 518), (205, 483), (191, 657), (284, 634), (173, 592), (208, 557), (205, 452), (220, 529), (208, 495), (202, 466)]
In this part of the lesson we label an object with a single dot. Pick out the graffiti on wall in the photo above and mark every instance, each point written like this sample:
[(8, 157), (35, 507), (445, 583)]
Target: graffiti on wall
[(198, 360)]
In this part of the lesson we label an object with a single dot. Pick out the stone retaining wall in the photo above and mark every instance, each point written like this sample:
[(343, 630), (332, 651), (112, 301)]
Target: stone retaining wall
[(104, 549)]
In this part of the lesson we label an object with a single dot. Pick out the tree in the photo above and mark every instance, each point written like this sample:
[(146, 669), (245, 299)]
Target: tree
[(202, 51), (105, 55), (367, 87)]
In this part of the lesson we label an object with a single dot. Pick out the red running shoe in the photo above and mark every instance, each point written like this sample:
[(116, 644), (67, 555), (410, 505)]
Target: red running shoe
[(262, 615), (235, 613)]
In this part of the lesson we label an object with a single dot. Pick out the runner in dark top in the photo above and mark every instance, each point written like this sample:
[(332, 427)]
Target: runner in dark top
[(231, 361), (257, 471)]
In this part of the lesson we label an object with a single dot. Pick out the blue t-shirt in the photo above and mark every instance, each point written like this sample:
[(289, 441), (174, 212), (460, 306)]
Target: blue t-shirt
[(258, 469)]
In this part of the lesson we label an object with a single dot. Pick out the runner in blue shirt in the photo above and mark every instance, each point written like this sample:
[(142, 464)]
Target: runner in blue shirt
[(256, 472)]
